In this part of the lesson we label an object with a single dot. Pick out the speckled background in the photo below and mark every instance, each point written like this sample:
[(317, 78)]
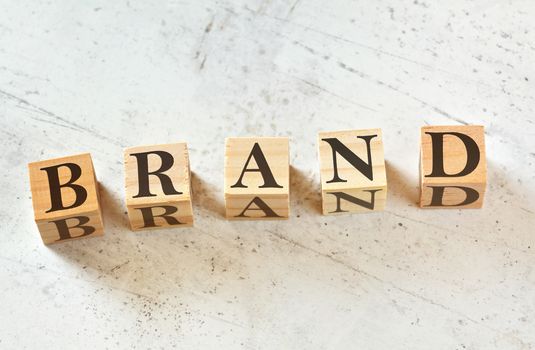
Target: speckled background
[(100, 76)]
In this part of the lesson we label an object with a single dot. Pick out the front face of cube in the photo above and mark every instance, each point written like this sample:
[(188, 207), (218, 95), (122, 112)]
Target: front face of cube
[(452, 167), (65, 198), (352, 169), (158, 186), (257, 178)]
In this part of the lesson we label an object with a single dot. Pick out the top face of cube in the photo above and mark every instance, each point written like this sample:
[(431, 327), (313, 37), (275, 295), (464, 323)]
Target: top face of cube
[(351, 159), (157, 173), (453, 154), (257, 165), (73, 178)]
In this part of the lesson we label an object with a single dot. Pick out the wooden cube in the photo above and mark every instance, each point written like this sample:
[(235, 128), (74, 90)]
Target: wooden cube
[(158, 186), (257, 178), (453, 166), (352, 171), (65, 198)]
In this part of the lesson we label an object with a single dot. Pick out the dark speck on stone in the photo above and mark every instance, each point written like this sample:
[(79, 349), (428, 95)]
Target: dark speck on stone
[(400, 224)]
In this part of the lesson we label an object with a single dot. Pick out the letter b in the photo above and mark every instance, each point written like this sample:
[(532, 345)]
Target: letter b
[(65, 198)]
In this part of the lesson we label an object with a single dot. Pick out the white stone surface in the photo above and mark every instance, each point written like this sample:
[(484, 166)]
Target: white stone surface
[(103, 75)]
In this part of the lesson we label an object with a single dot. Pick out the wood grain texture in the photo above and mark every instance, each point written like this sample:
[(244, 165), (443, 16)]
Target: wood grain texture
[(179, 174), (455, 156), (41, 198), (354, 182), (238, 155)]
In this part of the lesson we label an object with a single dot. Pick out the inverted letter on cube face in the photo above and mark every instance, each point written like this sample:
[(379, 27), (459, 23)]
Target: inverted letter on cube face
[(453, 168), (352, 169), (257, 178), (65, 198), (158, 186)]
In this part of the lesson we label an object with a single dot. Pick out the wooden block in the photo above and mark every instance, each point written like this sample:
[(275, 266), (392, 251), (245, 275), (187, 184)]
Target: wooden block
[(65, 198), (257, 178), (158, 186), (453, 167), (352, 171)]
